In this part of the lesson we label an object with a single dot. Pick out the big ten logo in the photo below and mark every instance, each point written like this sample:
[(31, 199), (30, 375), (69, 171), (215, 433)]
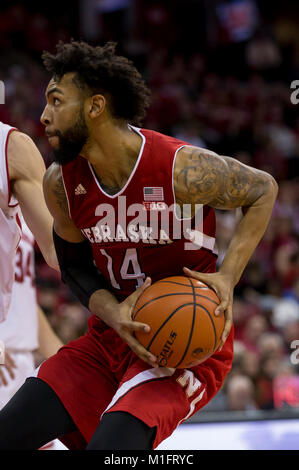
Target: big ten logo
[(2, 353), (294, 358), (295, 94), (2, 92)]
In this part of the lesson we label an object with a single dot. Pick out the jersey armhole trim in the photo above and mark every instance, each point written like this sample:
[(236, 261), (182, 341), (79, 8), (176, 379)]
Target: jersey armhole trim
[(7, 172), (66, 193)]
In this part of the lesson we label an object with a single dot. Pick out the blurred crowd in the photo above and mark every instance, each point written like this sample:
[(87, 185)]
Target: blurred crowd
[(231, 96)]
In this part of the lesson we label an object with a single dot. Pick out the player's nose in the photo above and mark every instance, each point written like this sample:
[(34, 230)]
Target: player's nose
[(45, 117)]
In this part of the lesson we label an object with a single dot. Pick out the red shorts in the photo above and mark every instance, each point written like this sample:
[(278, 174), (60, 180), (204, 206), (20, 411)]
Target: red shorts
[(98, 373)]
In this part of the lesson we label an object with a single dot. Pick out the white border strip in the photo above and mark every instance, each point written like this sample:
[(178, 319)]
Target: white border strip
[(36, 370), (66, 193), (144, 376), (192, 406)]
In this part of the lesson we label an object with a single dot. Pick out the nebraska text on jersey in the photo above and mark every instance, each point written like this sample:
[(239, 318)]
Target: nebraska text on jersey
[(123, 225), (134, 233)]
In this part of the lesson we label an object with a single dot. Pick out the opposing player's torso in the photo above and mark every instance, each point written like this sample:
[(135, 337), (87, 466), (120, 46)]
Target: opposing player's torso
[(136, 232), (10, 230), (20, 329)]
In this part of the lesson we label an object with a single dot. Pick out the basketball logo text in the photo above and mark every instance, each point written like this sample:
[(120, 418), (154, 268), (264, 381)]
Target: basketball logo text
[(167, 350)]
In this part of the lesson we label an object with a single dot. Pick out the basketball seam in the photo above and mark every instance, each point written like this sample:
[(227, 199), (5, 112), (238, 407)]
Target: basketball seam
[(165, 321), (207, 311), (192, 325), (214, 329), (169, 295), (181, 284)]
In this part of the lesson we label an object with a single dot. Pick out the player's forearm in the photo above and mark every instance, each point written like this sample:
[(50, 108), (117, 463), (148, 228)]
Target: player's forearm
[(102, 303), (37, 217), (50, 257), (49, 343), (78, 270), (249, 233), (47, 248)]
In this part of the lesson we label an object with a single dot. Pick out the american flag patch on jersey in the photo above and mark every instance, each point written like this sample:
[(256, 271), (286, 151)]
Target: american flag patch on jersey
[(153, 194)]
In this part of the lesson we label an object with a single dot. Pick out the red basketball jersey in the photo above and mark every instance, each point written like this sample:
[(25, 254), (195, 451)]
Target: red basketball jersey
[(137, 233)]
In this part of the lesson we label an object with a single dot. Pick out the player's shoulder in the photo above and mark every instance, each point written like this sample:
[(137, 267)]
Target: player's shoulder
[(19, 145), (23, 156), (189, 149), (19, 141), (54, 191), (52, 176), (195, 163), (190, 153)]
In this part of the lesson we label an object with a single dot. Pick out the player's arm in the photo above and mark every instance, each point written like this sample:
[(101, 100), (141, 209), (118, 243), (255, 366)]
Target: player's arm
[(26, 169), (49, 343), (79, 272), (203, 177), (73, 250)]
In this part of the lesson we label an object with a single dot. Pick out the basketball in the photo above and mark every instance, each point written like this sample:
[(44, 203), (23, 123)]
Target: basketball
[(184, 329)]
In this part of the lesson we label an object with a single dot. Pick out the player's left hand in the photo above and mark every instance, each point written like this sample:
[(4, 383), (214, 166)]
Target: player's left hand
[(9, 366), (223, 285)]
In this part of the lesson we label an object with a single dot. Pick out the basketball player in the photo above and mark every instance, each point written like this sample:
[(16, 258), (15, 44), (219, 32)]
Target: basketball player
[(21, 174), (26, 328), (104, 390)]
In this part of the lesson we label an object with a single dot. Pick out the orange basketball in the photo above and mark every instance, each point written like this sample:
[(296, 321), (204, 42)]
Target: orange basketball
[(184, 329)]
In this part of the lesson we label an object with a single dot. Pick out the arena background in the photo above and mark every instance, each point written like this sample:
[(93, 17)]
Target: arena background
[(223, 76)]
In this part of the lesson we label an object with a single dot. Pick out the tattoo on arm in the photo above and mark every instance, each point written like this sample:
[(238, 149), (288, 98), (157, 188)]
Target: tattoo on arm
[(60, 196), (204, 177)]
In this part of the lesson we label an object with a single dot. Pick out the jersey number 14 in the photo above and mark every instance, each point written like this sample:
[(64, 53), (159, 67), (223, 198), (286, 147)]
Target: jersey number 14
[(130, 268)]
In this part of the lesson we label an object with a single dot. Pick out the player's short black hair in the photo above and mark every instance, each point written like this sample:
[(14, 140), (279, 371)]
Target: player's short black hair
[(100, 70)]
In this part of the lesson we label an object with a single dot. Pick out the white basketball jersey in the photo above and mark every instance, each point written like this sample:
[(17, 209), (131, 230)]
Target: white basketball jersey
[(10, 230), (20, 329)]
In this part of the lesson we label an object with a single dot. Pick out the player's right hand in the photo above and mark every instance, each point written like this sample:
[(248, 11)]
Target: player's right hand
[(121, 321), (9, 366)]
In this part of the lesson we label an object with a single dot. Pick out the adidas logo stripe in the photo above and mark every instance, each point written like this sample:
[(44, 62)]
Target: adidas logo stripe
[(80, 190)]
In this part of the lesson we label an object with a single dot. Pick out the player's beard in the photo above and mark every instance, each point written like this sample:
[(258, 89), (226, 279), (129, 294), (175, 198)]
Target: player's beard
[(71, 141)]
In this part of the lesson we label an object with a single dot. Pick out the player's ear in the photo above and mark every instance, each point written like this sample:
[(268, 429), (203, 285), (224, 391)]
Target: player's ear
[(96, 106)]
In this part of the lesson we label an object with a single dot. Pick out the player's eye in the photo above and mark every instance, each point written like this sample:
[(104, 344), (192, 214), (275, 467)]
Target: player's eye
[(56, 101)]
